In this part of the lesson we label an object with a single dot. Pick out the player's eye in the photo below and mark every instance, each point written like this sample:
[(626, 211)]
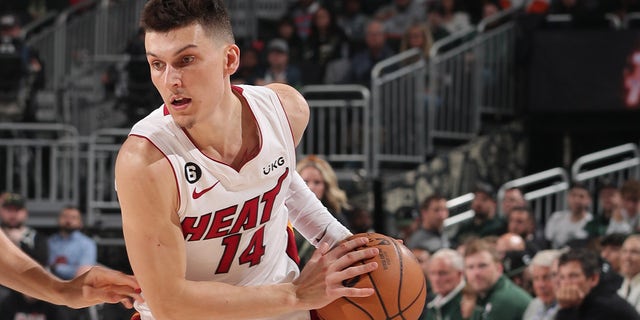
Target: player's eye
[(187, 59), (157, 65)]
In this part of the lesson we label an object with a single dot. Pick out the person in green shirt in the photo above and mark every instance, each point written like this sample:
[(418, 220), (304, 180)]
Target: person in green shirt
[(486, 221), (497, 297), (445, 271)]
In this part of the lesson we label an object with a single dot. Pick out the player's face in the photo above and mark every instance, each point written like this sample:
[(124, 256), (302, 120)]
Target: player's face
[(313, 178), (542, 279), (481, 271), (189, 68), (442, 276)]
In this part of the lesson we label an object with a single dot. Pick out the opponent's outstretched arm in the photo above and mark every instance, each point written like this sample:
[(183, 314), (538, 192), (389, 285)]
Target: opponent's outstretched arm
[(21, 273)]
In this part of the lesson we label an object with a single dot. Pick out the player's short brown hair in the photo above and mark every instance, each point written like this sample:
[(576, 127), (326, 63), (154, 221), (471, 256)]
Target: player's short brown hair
[(166, 15)]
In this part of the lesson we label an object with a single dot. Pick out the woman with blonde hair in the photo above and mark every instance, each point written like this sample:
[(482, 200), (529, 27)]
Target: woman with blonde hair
[(417, 36), (322, 180)]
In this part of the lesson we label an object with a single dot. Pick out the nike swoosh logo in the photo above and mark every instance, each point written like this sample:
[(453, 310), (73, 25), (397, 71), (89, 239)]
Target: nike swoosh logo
[(323, 233), (195, 195)]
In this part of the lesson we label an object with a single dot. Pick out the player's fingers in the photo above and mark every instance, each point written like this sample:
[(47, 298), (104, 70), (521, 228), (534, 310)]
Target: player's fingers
[(353, 292), (347, 246), (342, 277), (354, 256)]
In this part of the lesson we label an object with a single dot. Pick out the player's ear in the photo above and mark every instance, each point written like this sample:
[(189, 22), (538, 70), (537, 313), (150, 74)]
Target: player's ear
[(232, 59)]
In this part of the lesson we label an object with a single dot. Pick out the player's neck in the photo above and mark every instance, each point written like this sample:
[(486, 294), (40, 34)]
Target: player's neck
[(229, 135)]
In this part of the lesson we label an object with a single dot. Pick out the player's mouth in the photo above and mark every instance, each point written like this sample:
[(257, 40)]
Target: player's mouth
[(180, 102)]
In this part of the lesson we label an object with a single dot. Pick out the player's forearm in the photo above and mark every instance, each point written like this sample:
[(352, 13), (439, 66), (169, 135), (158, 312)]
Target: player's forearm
[(214, 300), (310, 217), (25, 275)]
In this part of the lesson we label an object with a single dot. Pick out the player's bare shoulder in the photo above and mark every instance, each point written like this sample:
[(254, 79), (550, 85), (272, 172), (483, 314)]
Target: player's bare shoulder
[(139, 161), (295, 106), (137, 152)]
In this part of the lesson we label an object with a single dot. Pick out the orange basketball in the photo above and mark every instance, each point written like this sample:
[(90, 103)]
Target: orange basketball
[(400, 286)]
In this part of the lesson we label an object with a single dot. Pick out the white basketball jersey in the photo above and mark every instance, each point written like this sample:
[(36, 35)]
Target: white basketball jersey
[(234, 222)]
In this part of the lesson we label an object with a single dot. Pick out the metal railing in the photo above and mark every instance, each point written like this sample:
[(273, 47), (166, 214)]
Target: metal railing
[(615, 165), (459, 212), (545, 192), (338, 128), (92, 27), (41, 162), (472, 72), (103, 208), (246, 15), (398, 129)]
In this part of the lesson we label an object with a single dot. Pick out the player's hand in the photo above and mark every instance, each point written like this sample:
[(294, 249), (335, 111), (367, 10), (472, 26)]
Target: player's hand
[(321, 281), (569, 296), (100, 285)]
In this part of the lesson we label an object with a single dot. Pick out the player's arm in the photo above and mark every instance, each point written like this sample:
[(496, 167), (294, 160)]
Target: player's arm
[(295, 106), (19, 272), (155, 245), (306, 212)]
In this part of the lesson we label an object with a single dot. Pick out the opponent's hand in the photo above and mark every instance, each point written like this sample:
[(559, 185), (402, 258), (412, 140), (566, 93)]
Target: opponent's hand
[(320, 282), (569, 296), (99, 285)]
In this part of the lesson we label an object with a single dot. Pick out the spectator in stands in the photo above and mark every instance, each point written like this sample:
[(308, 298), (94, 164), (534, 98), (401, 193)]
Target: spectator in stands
[(140, 97), (630, 270), (544, 306), (498, 297), (301, 13), (327, 42), (630, 192), (454, 20), (323, 182), (20, 72), (286, 30), (512, 198), (430, 235), (509, 242), (611, 248), (435, 21), (407, 221), (579, 294), (398, 16), (522, 222), (490, 8), (14, 215), (354, 22), (278, 69), (360, 220), (445, 272), (71, 252), (417, 36), (377, 50), (486, 221), (515, 265), (611, 217), (567, 225)]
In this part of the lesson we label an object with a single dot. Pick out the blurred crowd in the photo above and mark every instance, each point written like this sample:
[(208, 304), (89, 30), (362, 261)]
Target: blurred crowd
[(506, 263)]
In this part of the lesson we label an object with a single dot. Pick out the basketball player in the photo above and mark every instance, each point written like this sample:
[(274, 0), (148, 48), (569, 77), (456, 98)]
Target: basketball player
[(21, 273), (207, 185)]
